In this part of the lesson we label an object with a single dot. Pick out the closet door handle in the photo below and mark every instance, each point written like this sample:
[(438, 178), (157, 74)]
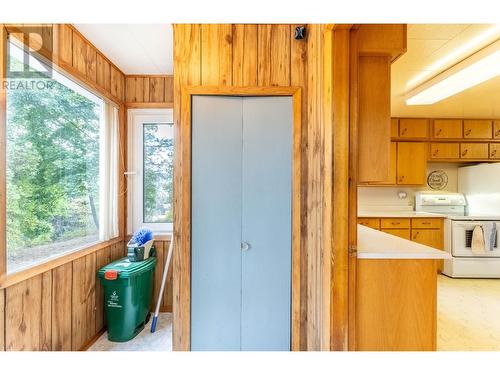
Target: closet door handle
[(245, 246)]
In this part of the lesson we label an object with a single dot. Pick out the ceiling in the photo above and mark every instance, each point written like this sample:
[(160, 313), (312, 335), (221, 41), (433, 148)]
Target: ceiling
[(428, 43), (134, 48)]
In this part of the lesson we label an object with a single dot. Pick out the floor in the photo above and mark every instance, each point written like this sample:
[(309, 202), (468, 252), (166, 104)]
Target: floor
[(160, 341), (468, 314)]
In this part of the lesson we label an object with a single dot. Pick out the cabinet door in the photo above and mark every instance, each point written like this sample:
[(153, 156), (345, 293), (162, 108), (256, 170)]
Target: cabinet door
[(413, 128), (394, 127), (411, 163), (494, 150), (370, 222), (496, 129), (428, 237), (426, 223), (445, 151), (474, 151), (479, 129), (403, 233), (394, 223), (447, 128)]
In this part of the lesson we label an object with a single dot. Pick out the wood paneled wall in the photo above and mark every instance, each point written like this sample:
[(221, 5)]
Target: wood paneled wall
[(61, 309), (265, 55), (161, 253), (142, 91)]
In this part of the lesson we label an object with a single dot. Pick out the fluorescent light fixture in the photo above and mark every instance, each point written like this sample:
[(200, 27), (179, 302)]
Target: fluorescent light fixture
[(479, 67), (473, 44)]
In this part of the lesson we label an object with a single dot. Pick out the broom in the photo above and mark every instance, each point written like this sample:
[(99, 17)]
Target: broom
[(163, 282)]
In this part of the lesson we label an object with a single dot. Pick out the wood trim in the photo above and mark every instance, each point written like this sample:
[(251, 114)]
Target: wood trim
[(182, 260), (17, 277), (133, 105), (3, 152), (91, 342)]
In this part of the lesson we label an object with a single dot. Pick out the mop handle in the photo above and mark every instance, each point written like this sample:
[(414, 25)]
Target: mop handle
[(163, 282)]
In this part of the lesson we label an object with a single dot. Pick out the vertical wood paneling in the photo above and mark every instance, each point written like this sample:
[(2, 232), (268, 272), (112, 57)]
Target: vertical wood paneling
[(187, 62), (46, 316), (274, 55), (116, 82), (264, 54), (160, 253), (146, 95), (167, 293), (2, 319), (3, 146), (169, 89), (22, 315), (103, 257), (79, 53), (103, 72), (130, 94), (83, 300), (216, 51), (245, 55), (62, 286), (156, 89), (65, 47)]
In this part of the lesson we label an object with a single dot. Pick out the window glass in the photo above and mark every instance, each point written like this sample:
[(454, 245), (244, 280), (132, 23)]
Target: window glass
[(53, 139), (158, 173)]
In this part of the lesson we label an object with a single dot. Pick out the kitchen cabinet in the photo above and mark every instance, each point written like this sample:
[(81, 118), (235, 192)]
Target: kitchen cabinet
[(413, 128), (494, 150), (447, 128), (496, 129), (411, 163), (429, 237), (403, 233), (394, 223), (444, 151), (426, 223), (474, 151), (478, 129), (394, 128), (370, 222)]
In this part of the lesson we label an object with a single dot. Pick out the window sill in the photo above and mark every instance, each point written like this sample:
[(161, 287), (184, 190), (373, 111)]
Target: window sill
[(158, 236), (21, 275)]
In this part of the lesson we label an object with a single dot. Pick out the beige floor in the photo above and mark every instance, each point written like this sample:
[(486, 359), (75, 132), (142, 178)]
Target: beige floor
[(161, 340), (468, 314)]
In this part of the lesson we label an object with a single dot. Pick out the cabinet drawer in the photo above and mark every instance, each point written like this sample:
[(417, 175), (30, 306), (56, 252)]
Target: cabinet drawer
[(494, 150), (428, 237), (403, 233), (369, 222), (480, 129), (474, 151), (445, 151), (447, 129), (394, 223), (413, 128), (394, 128), (496, 129), (425, 222)]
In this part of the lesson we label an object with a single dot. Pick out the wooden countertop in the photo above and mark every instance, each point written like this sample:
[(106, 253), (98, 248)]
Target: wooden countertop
[(374, 244)]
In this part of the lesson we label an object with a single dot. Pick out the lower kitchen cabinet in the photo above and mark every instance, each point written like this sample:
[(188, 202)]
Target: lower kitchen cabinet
[(403, 233)]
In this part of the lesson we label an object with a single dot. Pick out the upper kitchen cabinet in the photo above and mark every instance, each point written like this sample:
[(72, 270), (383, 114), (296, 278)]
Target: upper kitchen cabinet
[(478, 129), (411, 163), (496, 129), (413, 128), (378, 46), (447, 128)]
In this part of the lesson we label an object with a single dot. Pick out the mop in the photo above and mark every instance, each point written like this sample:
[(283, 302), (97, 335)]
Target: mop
[(163, 282)]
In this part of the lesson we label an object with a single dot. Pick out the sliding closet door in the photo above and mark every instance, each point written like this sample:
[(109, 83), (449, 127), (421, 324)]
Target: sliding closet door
[(266, 223), (216, 223)]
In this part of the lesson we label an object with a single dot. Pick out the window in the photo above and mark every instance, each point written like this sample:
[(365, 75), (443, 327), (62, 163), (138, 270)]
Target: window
[(57, 147), (150, 176)]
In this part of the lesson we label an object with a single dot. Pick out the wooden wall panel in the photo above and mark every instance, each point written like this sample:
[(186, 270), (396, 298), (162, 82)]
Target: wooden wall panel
[(46, 316), (216, 52), (274, 55), (160, 256), (103, 73), (65, 41), (62, 286), (245, 68), (2, 320), (149, 91), (103, 257), (83, 301), (22, 315), (156, 89)]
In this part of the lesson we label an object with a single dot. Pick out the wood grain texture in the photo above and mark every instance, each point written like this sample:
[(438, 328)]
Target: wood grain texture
[(2, 320), (3, 154), (103, 257), (244, 55), (65, 48), (83, 301), (216, 54), (149, 91), (382, 39), (62, 286), (23, 308), (103, 73), (396, 304), (46, 313), (156, 89), (273, 55)]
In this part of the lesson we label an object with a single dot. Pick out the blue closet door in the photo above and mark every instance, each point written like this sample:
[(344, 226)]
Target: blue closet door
[(266, 223), (216, 223)]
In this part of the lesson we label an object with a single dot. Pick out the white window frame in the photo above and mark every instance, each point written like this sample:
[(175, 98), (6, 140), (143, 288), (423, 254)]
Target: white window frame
[(135, 197)]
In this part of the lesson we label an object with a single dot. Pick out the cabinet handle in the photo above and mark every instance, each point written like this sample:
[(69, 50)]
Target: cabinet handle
[(467, 132), (395, 223), (497, 133), (415, 235), (436, 152), (493, 153), (439, 131), (401, 178), (464, 152), (426, 223), (404, 131)]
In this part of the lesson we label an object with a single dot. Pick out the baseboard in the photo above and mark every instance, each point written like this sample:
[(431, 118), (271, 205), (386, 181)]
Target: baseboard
[(89, 343)]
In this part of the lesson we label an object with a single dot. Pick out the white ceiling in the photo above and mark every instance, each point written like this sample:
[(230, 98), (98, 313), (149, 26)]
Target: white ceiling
[(428, 44), (134, 48)]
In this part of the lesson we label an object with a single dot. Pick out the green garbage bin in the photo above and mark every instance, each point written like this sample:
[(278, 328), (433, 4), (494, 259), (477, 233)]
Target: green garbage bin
[(128, 289)]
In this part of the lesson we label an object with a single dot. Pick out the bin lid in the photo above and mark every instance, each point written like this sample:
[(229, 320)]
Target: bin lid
[(125, 268)]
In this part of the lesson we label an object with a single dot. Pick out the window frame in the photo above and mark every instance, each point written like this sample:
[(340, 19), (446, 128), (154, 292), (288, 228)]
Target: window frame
[(136, 118), (7, 279)]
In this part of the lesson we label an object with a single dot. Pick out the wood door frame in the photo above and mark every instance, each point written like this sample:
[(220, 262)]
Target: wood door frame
[(182, 207)]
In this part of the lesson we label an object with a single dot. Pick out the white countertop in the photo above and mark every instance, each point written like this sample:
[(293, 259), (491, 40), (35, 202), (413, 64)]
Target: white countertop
[(409, 214), (374, 244)]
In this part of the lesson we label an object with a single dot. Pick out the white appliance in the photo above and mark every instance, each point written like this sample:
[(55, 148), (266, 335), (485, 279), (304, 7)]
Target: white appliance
[(459, 224)]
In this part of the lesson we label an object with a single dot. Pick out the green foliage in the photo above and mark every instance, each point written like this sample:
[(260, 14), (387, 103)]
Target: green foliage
[(52, 165)]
